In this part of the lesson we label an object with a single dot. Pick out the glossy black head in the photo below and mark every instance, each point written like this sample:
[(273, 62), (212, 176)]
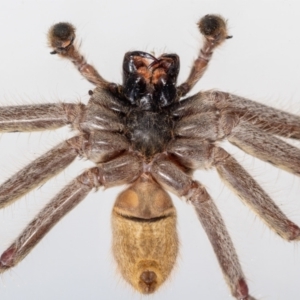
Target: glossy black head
[(150, 82)]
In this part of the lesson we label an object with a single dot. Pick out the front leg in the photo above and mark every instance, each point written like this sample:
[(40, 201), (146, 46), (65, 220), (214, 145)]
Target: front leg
[(171, 177), (61, 38), (213, 28)]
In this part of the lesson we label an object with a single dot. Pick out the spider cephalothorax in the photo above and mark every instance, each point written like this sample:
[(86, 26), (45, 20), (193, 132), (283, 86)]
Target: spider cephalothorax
[(142, 133)]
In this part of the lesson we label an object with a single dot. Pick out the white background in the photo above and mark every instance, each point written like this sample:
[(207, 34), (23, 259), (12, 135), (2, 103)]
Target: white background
[(261, 62)]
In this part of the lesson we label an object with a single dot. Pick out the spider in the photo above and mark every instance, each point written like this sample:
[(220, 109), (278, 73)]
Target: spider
[(145, 133)]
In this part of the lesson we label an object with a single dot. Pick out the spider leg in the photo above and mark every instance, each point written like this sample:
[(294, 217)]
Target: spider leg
[(209, 118), (236, 177), (40, 170), (266, 118), (68, 198), (114, 172), (173, 178), (266, 147), (213, 29), (196, 155), (38, 117), (61, 37)]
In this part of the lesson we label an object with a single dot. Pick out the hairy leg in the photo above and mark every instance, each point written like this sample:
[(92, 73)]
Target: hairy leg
[(235, 176), (67, 199), (38, 117), (171, 177), (61, 37), (114, 172), (214, 32), (205, 122), (266, 147), (202, 154), (40, 170), (266, 118)]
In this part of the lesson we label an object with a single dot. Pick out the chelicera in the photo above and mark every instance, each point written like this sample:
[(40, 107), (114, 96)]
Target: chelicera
[(146, 134)]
